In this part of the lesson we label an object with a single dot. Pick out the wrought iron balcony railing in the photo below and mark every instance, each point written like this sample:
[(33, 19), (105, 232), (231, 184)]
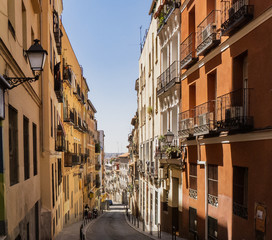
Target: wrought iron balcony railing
[(97, 167), (204, 118), (240, 210), (57, 31), (166, 12), (186, 123), (76, 159), (208, 33), (187, 52), (77, 93), (235, 14), (68, 115), (168, 78), (233, 110), (60, 139), (68, 159), (58, 87), (192, 193), (67, 75)]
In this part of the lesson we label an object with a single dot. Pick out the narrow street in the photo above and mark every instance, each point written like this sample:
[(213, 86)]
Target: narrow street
[(113, 225)]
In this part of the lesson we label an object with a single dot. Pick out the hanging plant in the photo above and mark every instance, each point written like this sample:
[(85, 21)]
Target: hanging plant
[(149, 110)]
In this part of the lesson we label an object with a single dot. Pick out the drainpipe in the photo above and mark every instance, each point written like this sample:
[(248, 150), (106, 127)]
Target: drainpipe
[(199, 162)]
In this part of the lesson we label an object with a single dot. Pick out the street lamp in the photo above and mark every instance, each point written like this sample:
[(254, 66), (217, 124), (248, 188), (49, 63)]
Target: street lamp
[(36, 56), (169, 136)]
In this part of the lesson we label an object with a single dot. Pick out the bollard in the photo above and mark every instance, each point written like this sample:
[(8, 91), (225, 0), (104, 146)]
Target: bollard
[(159, 230), (143, 226), (150, 227), (138, 222), (174, 233)]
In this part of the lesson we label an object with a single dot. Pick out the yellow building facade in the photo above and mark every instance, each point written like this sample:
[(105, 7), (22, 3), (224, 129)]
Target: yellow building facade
[(20, 195), (48, 129)]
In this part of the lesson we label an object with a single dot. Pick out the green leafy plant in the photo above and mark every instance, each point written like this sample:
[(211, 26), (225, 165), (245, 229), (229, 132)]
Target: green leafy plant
[(172, 151), (149, 110), (162, 138)]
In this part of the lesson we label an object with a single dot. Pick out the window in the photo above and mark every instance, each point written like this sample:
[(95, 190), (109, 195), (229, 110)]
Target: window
[(51, 54), (26, 147), (11, 17), (192, 220), (213, 185), (59, 172), (156, 46), (156, 208), (212, 228), (51, 110), (24, 27), (150, 68), (53, 189), (240, 190), (165, 202), (13, 146), (35, 162), (193, 181)]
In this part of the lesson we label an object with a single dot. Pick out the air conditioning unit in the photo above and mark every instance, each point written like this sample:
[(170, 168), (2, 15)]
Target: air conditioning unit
[(202, 119), (187, 123)]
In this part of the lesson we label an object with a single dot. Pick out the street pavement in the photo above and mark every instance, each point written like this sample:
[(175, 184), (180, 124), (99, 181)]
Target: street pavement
[(112, 225)]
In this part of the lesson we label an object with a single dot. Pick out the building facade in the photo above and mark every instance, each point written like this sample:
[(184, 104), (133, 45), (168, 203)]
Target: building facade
[(149, 126), (223, 122), (20, 175)]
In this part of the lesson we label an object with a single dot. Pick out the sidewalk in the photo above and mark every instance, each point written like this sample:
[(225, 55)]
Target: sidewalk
[(72, 232), (164, 235)]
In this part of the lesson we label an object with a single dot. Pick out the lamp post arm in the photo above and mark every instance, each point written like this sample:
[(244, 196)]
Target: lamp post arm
[(14, 82)]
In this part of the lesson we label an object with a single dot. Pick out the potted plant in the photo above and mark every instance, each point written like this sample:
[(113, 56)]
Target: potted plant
[(172, 151), (149, 110)]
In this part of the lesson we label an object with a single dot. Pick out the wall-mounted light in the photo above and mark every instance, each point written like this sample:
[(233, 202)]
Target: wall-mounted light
[(36, 56)]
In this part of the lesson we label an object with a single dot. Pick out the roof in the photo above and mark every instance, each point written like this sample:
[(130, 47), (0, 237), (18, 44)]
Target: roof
[(91, 105), (125, 155), (153, 6)]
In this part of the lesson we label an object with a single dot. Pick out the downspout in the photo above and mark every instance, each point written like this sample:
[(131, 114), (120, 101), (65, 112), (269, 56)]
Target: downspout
[(199, 162)]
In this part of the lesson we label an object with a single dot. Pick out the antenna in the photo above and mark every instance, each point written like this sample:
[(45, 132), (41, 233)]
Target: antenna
[(141, 47)]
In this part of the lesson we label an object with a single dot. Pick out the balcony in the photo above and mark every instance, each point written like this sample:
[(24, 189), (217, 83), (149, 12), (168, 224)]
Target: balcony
[(76, 159), (57, 31), (188, 53), (204, 118), (169, 78), (68, 115), (58, 87), (85, 126), (83, 99), (166, 13), (77, 93), (208, 33), (68, 159), (154, 169), (67, 75), (233, 111), (186, 123), (97, 167), (60, 139), (235, 14)]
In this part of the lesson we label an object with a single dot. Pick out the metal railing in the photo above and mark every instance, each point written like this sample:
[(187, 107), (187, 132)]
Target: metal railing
[(68, 115), (187, 51), (67, 74), (204, 118), (233, 110), (207, 32), (186, 123), (169, 77), (235, 14), (166, 12)]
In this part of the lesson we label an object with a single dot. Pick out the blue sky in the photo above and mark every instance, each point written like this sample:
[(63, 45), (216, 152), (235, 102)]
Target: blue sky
[(105, 36)]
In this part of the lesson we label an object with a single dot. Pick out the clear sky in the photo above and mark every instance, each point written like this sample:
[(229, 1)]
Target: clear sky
[(105, 35)]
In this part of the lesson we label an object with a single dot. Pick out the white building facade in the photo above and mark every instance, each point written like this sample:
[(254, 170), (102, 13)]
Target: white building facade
[(149, 127)]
